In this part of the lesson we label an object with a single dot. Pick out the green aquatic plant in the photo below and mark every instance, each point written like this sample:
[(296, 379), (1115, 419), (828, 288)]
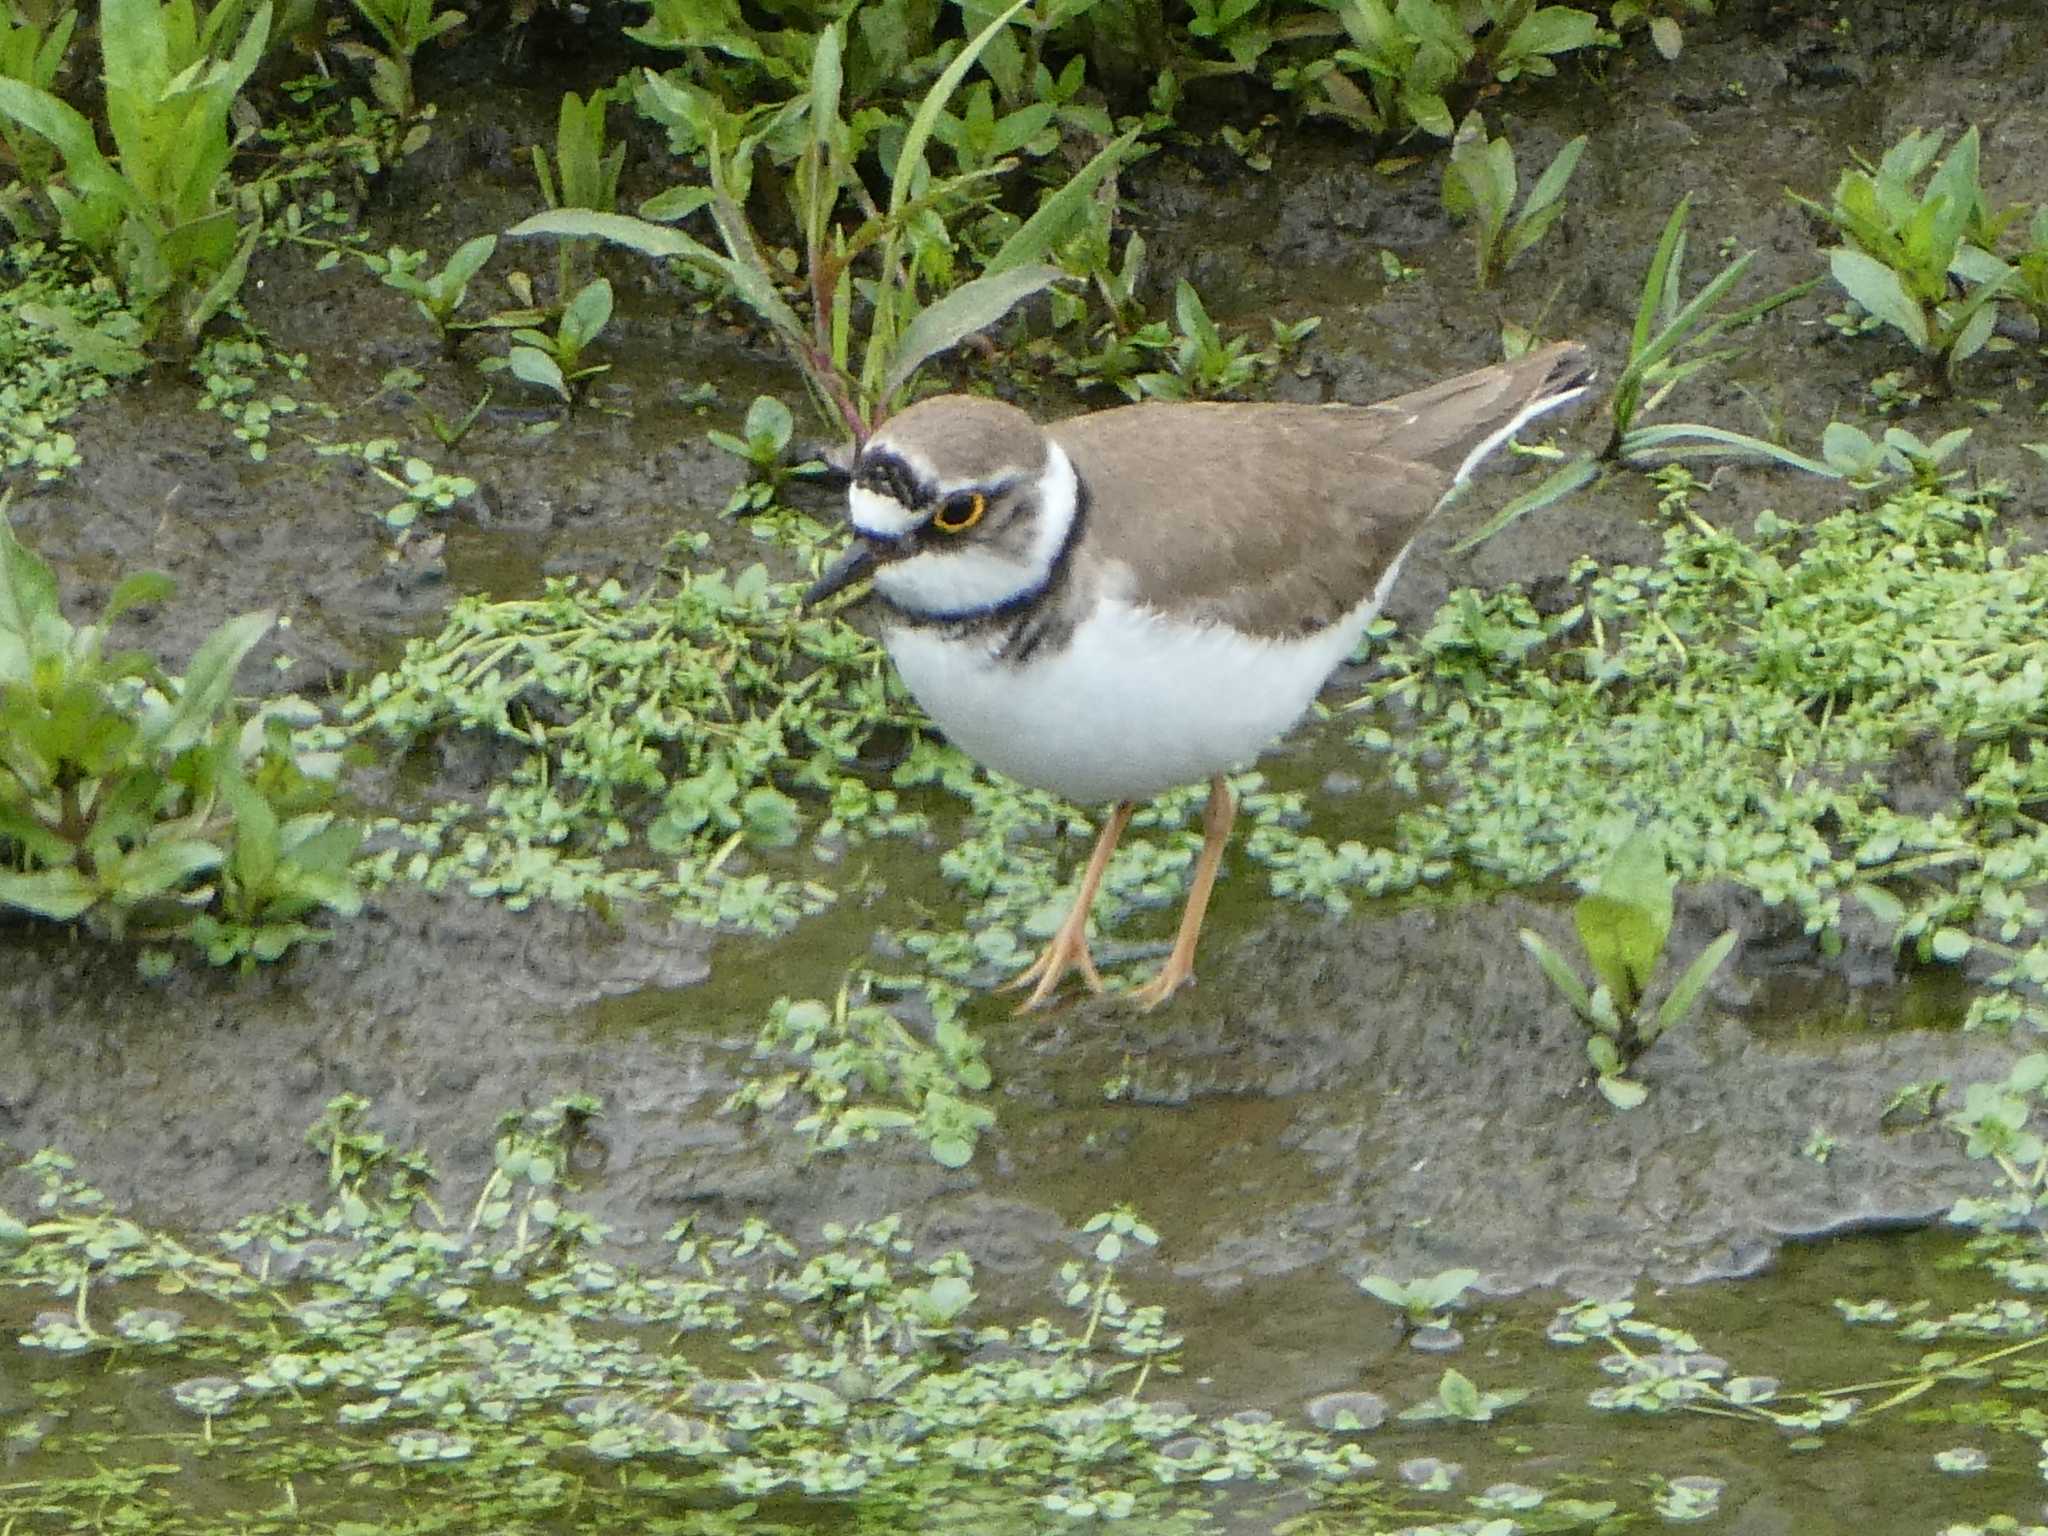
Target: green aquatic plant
[(1459, 1400), (159, 215), (1746, 697), (149, 806), (1623, 923), (1427, 1300), (1480, 185), (660, 741), (376, 1349), (422, 488), (1921, 258), (864, 1076)]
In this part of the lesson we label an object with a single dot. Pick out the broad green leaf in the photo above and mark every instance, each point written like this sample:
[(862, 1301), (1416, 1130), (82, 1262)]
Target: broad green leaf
[(1457, 1393), (469, 259), (535, 367), (587, 315), (208, 683), (1877, 288), (28, 587), (1553, 29), (973, 306), (1623, 923), (1621, 1092), (59, 894), (1849, 448), (1950, 944), (158, 867)]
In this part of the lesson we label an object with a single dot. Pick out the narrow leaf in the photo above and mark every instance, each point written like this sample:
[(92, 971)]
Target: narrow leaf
[(1688, 986)]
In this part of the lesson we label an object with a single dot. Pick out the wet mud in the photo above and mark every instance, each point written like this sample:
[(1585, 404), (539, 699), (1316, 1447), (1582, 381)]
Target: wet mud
[(1397, 1090)]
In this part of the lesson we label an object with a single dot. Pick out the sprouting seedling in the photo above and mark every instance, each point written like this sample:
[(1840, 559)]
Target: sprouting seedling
[(439, 295), (1623, 925), (764, 447), (1425, 1302), (554, 360), (1866, 462), (1480, 183)]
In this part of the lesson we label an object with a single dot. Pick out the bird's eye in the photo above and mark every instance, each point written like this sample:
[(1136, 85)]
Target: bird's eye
[(959, 513)]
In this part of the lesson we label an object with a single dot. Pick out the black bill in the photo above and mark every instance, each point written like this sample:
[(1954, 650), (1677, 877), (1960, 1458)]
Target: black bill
[(843, 572)]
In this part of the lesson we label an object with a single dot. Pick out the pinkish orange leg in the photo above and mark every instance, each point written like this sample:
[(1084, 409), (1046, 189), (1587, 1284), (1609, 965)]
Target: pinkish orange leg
[(1180, 965), (1068, 950)]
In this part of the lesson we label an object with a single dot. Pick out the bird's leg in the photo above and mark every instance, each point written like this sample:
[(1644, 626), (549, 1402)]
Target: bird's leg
[(1068, 950), (1180, 965)]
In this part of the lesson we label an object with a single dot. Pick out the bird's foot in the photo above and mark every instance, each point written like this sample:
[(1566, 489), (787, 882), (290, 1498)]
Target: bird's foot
[(1178, 971), (1068, 951)]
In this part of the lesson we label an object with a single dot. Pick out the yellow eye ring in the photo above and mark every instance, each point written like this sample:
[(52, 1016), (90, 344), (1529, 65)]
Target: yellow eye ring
[(959, 513)]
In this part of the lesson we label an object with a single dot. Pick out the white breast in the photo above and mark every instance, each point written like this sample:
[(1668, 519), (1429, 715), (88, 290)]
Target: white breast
[(1134, 704)]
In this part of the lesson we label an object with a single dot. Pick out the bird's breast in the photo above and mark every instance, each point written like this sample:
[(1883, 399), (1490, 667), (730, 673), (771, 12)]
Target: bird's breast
[(1126, 703)]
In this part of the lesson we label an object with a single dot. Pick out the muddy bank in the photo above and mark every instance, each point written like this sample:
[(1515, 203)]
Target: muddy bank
[(1396, 1090)]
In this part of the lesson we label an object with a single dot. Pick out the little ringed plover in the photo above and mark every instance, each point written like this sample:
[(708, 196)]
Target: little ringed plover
[(1144, 597)]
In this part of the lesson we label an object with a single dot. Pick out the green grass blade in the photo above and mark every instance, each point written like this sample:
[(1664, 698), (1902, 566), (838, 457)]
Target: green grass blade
[(1559, 484), (1718, 442)]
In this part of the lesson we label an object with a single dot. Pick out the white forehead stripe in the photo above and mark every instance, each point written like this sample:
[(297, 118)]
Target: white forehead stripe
[(878, 516)]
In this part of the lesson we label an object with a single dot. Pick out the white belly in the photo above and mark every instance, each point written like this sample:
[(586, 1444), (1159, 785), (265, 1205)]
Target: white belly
[(1133, 705)]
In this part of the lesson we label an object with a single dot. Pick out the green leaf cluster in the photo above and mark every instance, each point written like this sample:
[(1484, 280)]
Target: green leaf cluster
[(861, 1075), (889, 257), (1623, 923), (153, 214), (146, 805), (1409, 64), (1745, 701), (1921, 258), (1480, 186), (660, 746)]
